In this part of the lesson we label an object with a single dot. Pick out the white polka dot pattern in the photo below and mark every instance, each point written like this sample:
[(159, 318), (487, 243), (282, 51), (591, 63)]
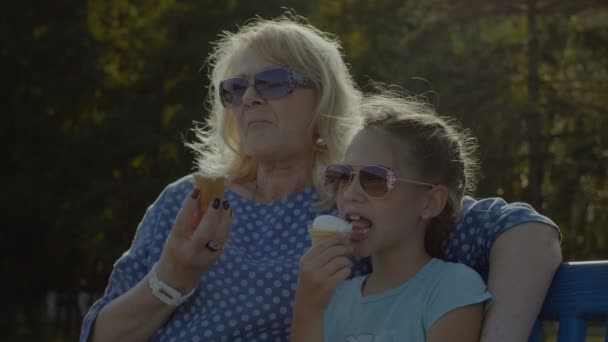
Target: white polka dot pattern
[(247, 295)]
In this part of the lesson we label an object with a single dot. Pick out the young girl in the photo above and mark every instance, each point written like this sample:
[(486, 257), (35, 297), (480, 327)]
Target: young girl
[(400, 185)]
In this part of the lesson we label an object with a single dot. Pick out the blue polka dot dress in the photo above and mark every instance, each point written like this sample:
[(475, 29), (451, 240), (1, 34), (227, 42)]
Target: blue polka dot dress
[(248, 294), (479, 224)]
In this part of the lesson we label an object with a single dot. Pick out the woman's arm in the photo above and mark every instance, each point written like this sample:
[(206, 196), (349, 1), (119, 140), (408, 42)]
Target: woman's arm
[(523, 261), (462, 324), (137, 314), (134, 316)]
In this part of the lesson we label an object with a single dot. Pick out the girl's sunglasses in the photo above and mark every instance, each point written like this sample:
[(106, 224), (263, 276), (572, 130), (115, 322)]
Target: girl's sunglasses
[(271, 83), (375, 180)]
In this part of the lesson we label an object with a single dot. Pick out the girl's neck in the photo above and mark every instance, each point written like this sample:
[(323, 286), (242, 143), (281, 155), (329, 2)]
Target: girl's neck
[(394, 267), (280, 178)]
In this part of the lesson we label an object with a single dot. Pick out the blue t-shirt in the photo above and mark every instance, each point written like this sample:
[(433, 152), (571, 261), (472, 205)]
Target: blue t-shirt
[(404, 313), (248, 294)]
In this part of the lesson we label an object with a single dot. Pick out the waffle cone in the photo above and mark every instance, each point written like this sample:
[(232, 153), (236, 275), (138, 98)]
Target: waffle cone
[(210, 188), (317, 235)]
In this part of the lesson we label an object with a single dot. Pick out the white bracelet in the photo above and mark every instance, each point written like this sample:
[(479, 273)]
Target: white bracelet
[(164, 292)]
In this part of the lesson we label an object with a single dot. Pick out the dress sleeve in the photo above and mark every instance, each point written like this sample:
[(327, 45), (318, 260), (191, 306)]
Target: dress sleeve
[(458, 286), (480, 223), (144, 251)]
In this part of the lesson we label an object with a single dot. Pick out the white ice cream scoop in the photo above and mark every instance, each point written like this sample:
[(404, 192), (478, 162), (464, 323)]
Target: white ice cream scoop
[(325, 226)]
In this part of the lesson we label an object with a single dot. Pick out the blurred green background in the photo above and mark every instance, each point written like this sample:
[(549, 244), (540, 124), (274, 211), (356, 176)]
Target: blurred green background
[(101, 94)]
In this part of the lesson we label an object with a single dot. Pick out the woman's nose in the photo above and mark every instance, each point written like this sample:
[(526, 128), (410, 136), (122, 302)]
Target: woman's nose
[(251, 96)]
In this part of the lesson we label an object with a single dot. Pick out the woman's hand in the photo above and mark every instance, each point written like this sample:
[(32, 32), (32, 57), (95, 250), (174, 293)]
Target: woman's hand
[(322, 269), (189, 250)]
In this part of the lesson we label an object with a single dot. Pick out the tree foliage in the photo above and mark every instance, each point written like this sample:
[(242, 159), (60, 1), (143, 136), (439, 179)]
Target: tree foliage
[(102, 94)]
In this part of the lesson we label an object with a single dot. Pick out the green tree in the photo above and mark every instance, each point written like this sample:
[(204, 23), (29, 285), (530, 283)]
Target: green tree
[(527, 77)]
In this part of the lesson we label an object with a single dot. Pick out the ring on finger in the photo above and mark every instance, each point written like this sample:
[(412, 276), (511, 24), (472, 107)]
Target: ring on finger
[(212, 246)]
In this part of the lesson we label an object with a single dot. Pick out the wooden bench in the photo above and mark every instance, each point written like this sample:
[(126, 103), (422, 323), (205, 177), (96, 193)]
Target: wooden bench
[(578, 294)]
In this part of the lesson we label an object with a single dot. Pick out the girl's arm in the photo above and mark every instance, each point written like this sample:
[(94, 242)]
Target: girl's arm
[(462, 324), (322, 269), (306, 325)]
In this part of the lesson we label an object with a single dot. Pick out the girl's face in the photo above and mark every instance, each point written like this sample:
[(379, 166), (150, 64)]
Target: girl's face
[(381, 224)]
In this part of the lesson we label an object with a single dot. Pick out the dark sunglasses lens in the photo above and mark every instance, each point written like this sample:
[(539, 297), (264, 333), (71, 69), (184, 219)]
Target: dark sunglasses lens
[(232, 90), (337, 175), (273, 83), (374, 181)]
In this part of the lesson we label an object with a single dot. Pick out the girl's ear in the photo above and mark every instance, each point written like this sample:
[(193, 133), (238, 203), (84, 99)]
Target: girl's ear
[(435, 200)]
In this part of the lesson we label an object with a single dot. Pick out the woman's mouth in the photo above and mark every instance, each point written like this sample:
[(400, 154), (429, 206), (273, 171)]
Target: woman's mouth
[(259, 123)]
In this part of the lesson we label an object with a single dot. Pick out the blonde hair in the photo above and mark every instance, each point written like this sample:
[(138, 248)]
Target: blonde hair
[(437, 148), (287, 40)]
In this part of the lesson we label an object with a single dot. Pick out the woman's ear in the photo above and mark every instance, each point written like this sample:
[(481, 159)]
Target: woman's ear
[(435, 200)]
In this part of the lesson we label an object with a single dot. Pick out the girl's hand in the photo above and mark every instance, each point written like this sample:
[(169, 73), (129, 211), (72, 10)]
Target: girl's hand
[(322, 269)]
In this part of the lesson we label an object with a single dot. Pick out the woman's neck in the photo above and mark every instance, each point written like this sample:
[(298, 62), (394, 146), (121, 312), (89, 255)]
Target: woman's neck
[(280, 178), (395, 266)]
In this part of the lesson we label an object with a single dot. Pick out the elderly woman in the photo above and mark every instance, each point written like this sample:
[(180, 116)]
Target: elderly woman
[(278, 91)]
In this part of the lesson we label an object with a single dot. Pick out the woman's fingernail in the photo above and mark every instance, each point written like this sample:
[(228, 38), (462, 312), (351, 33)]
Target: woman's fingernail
[(216, 203), (195, 193), (226, 205)]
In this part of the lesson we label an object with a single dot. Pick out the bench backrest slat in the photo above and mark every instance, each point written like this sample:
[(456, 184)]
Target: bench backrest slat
[(571, 329), (579, 292)]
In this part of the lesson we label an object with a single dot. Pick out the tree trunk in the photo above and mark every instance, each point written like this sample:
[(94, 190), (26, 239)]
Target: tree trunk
[(533, 120)]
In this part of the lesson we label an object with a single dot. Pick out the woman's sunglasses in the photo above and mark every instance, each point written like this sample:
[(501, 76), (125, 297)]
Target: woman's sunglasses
[(375, 180), (271, 83)]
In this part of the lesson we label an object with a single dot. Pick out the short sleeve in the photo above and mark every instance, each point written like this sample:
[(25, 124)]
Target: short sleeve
[(329, 319), (340, 306), (329, 316), (144, 251), (479, 225), (457, 287)]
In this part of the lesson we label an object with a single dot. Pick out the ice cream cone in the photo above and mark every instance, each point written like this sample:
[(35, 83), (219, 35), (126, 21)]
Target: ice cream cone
[(326, 226)]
